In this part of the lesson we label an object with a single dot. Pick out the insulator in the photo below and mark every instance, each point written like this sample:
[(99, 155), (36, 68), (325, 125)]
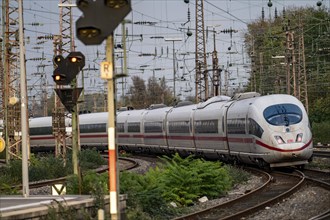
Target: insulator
[(189, 33), (262, 13), (284, 13), (270, 4), (188, 14), (275, 12)]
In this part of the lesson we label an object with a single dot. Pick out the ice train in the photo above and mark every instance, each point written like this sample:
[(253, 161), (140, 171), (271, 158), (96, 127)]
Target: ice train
[(271, 131)]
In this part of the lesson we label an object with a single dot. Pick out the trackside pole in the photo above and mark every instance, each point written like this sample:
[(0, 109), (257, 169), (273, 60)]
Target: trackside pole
[(112, 150), (24, 110)]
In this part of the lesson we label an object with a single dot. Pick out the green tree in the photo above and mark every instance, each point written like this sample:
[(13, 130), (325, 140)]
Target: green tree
[(142, 96), (138, 93), (267, 38)]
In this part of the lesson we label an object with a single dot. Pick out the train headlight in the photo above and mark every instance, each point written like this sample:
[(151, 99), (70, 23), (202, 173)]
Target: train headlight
[(299, 137), (279, 139)]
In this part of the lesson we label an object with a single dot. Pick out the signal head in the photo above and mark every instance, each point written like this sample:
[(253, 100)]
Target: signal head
[(57, 77), (60, 78), (58, 59), (93, 29), (88, 32), (116, 3), (76, 58)]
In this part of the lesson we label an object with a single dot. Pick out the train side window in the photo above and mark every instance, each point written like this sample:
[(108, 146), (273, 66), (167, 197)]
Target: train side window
[(255, 128), (120, 127), (92, 128), (41, 131), (178, 127), (153, 127), (133, 127), (236, 126), (206, 126)]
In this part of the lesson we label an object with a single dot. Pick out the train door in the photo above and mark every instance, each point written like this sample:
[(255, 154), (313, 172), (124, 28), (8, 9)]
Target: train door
[(250, 141), (225, 125), (192, 128)]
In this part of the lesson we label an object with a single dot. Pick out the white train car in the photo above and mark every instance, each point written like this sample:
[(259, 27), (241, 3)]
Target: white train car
[(270, 130), (179, 129), (209, 130), (93, 130), (41, 132)]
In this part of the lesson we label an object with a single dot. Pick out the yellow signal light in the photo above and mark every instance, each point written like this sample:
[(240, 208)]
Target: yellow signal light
[(89, 32), (58, 59), (57, 77), (74, 59)]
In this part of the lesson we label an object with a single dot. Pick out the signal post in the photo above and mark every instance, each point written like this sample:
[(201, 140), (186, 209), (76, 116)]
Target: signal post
[(65, 74), (99, 20)]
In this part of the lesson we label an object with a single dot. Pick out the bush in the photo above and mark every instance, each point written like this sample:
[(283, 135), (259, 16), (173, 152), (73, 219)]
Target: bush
[(144, 196), (321, 132), (91, 183), (238, 175), (49, 167), (91, 159), (179, 180), (186, 180), (12, 174)]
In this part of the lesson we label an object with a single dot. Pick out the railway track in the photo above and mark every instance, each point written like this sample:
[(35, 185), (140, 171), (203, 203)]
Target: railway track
[(321, 179), (125, 164), (277, 186), (318, 176), (324, 154)]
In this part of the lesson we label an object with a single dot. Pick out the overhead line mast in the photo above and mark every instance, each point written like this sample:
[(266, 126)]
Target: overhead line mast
[(11, 113), (63, 45), (201, 88)]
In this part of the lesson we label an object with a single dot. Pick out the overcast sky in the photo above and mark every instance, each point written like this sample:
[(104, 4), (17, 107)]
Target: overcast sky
[(168, 19)]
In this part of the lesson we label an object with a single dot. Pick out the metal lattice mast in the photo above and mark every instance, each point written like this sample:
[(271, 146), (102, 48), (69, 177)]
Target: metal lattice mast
[(302, 76), (2, 83), (291, 79), (58, 114), (63, 45), (200, 57), (11, 91), (216, 71)]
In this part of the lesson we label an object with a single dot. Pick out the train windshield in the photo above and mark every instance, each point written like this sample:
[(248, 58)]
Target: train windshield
[(283, 114)]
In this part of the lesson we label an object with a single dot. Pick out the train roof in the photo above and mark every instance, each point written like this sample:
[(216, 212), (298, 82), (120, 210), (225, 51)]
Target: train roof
[(220, 98), (40, 122), (93, 118), (276, 99)]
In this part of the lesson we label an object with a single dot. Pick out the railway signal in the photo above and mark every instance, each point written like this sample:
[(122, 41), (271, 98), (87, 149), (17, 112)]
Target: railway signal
[(76, 62), (65, 72), (59, 72), (69, 97), (67, 68), (100, 19)]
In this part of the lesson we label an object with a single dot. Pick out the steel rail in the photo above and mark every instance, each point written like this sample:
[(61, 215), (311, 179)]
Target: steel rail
[(199, 215), (62, 180)]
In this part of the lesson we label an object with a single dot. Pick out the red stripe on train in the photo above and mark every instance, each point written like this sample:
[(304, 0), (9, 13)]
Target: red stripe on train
[(204, 138), (283, 150)]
